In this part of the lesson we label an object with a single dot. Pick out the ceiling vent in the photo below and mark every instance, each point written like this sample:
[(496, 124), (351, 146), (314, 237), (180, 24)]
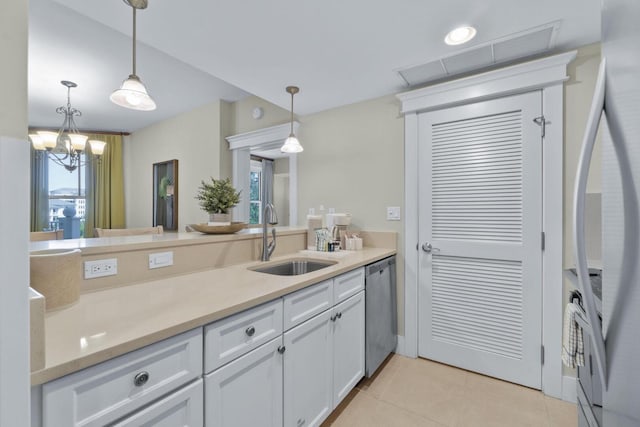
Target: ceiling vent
[(515, 46)]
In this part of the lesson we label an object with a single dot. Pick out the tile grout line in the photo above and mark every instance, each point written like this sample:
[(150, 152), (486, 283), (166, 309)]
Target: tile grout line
[(370, 395)]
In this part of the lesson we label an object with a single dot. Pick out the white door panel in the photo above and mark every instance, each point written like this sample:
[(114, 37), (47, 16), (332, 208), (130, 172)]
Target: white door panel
[(480, 210)]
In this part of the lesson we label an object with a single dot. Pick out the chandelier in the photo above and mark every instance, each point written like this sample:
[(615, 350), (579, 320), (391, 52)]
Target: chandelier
[(67, 146)]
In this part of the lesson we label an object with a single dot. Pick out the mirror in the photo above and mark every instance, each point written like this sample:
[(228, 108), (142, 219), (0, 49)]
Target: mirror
[(165, 194)]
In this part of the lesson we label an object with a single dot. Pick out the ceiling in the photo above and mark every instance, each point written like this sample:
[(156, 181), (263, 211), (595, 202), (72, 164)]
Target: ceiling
[(337, 52)]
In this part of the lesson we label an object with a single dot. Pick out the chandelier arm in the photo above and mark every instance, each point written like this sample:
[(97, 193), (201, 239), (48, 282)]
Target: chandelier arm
[(60, 160)]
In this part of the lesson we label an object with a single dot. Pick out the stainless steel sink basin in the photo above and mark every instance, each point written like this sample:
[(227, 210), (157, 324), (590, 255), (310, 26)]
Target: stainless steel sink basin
[(294, 267)]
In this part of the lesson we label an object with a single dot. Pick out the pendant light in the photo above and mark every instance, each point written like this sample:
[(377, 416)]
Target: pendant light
[(133, 93), (291, 144)]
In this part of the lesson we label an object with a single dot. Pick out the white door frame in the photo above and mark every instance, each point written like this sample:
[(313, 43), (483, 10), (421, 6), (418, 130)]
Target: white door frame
[(266, 138), (548, 75)]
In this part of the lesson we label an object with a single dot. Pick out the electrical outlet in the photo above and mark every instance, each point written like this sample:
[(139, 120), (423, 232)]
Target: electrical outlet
[(160, 259), (100, 268), (393, 213)]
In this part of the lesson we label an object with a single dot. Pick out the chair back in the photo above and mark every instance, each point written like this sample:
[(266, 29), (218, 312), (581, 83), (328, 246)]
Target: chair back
[(113, 232), (39, 236)]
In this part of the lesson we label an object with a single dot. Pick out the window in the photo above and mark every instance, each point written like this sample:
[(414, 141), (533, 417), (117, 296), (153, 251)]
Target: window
[(66, 194), (255, 193)]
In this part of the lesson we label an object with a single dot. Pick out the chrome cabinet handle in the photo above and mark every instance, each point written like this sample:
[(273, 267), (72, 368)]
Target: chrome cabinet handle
[(339, 315), (141, 378), (334, 317), (301, 421), (428, 248), (281, 349), (250, 331)]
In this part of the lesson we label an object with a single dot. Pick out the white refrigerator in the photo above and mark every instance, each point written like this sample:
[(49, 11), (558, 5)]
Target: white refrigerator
[(616, 110)]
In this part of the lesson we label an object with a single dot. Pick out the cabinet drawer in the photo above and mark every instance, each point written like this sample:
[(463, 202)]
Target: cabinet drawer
[(106, 392), (184, 408), (234, 336), (306, 303), (347, 285)]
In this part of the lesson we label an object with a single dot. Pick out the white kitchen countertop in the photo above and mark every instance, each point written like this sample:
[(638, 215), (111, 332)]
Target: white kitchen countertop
[(112, 322)]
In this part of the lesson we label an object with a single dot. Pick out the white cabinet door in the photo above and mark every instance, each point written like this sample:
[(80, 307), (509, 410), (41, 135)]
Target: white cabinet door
[(247, 391), (180, 409), (348, 346), (308, 372)]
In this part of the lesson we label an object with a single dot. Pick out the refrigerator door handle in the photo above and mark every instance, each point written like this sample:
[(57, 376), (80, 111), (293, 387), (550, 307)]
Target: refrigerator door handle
[(579, 247)]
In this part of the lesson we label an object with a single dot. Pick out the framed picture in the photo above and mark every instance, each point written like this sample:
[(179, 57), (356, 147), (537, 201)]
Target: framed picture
[(165, 194)]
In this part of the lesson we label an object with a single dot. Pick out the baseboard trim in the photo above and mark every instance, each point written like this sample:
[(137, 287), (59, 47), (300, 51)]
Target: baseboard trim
[(400, 347), (569, 390)]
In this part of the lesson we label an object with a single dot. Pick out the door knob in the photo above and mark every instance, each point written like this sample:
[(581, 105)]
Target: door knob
[(428, 248)]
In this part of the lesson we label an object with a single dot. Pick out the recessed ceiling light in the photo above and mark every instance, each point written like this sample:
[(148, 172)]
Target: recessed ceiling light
[(460, 35)]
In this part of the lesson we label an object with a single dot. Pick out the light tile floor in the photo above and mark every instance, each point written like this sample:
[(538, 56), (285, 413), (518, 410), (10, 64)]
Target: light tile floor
[(418, 392)]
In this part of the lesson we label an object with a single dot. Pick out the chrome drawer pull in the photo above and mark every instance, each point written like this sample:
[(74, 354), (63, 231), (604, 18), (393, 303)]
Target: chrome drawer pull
[(281, 349), (250, 331), (141, 379)]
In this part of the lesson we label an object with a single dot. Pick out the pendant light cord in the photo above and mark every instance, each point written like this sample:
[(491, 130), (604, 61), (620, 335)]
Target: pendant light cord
[(134, 40), (291, 114)]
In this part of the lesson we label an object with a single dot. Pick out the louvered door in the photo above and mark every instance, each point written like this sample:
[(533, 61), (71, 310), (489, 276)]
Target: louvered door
[(480, 210)]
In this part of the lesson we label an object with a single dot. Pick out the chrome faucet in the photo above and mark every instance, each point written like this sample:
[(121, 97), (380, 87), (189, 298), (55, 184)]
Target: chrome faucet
[(268, 216)]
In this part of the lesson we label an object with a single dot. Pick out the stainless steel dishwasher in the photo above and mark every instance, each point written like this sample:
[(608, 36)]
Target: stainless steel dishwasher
[(380, 313)]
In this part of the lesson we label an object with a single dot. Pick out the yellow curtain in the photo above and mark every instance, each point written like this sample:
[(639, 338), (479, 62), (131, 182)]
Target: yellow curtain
[(105, 187)]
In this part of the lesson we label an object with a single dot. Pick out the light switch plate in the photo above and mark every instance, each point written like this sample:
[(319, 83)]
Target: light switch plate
[(393, 213), (160, 259), (100, 268)]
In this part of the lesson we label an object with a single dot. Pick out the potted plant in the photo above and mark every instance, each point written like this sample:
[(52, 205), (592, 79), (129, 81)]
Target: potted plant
[(216, 198)]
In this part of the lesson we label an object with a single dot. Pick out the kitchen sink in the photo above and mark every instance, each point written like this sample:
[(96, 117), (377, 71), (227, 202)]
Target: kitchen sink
[(294, 267)]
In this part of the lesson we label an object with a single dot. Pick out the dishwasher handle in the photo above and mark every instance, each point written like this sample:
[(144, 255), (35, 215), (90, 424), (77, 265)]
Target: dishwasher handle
[(380, 265)]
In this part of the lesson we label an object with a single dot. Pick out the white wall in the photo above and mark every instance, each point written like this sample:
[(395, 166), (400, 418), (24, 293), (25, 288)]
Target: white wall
[(14, 217), (194, 138), (242, 118), (353, 161)]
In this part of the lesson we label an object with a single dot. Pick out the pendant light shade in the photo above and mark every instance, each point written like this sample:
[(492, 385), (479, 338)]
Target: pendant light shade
[(133, 93), (291, 144)]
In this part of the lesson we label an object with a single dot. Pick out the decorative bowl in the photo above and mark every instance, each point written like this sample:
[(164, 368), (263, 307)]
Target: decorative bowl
[(216, 229)]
